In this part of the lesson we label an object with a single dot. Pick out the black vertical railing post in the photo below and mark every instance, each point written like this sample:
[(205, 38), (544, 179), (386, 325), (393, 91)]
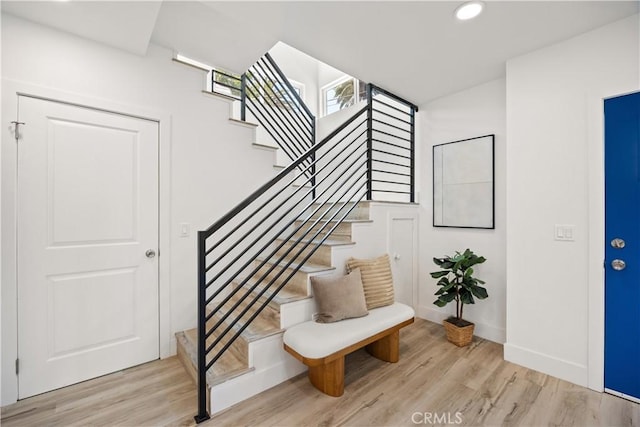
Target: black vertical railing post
[(243, 97), (369, 141), (202, 298), (412, 172), (313, 159)]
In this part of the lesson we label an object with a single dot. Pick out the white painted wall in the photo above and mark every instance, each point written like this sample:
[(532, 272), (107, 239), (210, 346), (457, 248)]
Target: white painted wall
[(555, 176), (205, 149), (474, 112)]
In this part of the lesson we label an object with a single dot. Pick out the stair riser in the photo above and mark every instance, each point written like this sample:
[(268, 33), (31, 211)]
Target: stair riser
[(360, 212), (321, 256), (269, 313), (240, 347)]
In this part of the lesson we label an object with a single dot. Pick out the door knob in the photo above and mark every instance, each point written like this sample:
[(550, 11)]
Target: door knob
[(396, 256), (618, 243), (150, 253), (618, 264)]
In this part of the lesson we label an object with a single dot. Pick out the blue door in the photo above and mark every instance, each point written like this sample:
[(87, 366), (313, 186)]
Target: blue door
[(622, 252)]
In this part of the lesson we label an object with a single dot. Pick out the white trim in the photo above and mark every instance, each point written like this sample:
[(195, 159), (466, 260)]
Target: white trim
[(11, 90), (563, 369)]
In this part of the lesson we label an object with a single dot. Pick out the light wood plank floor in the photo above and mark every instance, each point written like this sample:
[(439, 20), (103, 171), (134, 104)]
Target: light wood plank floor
[(434, 383)]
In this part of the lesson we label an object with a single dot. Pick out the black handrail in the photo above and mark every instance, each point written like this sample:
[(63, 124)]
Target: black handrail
[(250, 254)]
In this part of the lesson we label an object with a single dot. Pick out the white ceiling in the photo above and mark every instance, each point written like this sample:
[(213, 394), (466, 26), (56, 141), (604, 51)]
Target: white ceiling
[(415, 49), (125, 25)]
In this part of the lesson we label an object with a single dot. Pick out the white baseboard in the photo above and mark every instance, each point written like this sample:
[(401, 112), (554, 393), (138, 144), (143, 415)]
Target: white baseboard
[(563, 369), (482, 330)]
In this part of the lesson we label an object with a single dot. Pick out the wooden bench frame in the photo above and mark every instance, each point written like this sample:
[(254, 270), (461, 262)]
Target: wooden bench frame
[(327, 373)]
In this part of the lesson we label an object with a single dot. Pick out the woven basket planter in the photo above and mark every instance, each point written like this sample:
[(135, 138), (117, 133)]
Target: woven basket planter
[(460, 336)]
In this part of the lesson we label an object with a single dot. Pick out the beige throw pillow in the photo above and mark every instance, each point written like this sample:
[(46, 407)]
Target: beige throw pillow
[(339, 298), (376, 279)]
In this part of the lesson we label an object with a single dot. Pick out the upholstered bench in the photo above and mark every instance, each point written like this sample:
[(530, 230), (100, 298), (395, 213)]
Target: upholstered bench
[(323, 346)]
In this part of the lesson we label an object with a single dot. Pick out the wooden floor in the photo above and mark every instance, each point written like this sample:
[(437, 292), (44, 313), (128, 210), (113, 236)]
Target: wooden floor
[(435, 383)]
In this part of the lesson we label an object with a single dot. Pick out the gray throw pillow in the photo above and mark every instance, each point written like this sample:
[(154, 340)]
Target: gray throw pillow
[(339, 298)]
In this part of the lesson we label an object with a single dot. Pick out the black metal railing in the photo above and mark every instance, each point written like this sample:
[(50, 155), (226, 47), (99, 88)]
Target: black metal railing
[(266, 93), (391, 146), (254, 251), (251, 253)]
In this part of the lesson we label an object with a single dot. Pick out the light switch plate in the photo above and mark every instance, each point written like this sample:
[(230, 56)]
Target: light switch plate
[(565, 232), (185, 229)]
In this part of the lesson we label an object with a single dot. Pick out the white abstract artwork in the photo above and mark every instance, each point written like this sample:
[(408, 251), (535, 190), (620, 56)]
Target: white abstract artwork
[(463, 175)]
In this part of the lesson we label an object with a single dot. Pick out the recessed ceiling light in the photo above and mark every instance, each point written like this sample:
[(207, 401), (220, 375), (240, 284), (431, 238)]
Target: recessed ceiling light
[(469, 10)]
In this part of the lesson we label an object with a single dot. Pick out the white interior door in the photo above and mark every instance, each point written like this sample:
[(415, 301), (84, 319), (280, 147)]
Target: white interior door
[(87, 213), (402, 247)]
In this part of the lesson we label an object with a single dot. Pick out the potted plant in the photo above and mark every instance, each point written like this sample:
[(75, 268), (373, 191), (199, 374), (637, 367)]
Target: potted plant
[(457, 284)]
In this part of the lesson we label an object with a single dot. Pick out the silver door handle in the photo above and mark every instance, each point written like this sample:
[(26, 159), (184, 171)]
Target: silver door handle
[(618, 264), (150, 253), (618, 243)]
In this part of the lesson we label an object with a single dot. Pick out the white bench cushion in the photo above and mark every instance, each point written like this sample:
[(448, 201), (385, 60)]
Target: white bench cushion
[(317, 340)]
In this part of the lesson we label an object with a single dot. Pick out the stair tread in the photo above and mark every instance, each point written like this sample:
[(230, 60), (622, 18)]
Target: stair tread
[(228, 366), (285, 295), (307, 267), (347, 221), (327, 242), (260, 327)]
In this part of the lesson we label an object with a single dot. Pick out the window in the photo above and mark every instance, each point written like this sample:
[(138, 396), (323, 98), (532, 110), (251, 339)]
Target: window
[(342, 93)]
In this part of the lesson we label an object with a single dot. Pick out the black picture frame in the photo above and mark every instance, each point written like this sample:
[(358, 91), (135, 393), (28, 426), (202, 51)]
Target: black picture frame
[(464, 183)]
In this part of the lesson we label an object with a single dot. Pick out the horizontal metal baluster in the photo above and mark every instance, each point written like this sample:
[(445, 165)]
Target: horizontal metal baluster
[(266, 245), (264, 112), (219, 274), (392, 126), (391, 163), (391, 182), (249, 306), (263, 263), (396, 98), (295, 117), (392, 106), (391, 154), (394, 173), (253, 196), (291, 182), (390, 191), (298, 99), (391, 135), (303, 119), (392, 116), (408, 148)]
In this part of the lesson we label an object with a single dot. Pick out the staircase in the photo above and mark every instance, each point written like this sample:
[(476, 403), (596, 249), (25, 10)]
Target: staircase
[(255, 262), (257, 356)]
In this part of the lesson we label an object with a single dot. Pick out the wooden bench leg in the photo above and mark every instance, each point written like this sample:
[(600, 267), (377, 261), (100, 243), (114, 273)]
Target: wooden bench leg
[(329, 378), (386, 348)]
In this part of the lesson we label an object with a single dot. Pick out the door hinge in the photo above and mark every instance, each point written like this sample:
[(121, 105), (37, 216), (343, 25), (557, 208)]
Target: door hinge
[(16, 129), (17, 366)]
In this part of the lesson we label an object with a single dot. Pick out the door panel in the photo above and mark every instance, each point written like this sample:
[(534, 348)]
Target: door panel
[(402, 250), (622, 221), (87, 212)]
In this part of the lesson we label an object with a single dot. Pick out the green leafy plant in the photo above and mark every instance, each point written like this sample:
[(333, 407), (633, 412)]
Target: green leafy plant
[(456, 281)]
